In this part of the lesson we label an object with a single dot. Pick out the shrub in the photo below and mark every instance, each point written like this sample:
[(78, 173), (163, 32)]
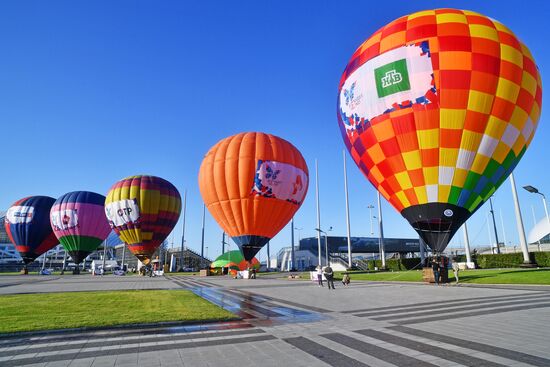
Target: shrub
[(396, 264), (490, 261), (542, 258)]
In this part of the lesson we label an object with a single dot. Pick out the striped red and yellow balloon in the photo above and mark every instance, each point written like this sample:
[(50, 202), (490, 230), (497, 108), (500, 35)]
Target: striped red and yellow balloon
[(437, 108), (143, 210)]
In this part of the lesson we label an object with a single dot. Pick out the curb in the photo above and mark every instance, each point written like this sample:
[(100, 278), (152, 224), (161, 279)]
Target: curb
[(114, 328)]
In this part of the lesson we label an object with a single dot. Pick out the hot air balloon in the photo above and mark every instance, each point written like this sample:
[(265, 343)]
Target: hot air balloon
[(79, 223), (252, 184), (235, 261), (28, 227), (143, 210), (437, 108)]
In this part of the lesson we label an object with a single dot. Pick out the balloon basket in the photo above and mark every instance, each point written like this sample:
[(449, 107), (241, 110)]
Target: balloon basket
[(24, 271), (428, 275), (76, 270)]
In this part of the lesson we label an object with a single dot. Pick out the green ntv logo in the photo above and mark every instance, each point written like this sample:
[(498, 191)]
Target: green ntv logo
[(392, 78)]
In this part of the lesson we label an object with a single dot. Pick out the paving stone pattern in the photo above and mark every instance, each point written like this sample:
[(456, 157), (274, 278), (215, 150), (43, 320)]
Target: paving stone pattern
[(296, 323)]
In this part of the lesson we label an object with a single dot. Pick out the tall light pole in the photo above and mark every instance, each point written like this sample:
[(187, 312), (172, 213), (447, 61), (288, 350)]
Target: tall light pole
[(326, 243), (104, 256), (467, 244), (299, 234), (65, 261), (381, 234), (347, 209), (489, 233), (535, 222), (519, 223), (202, 236), (124, 256), (292, 268), (370, 207), (318, 211), (494, 224), (183, 230), (534, 190), (268, 257), (503, 229)]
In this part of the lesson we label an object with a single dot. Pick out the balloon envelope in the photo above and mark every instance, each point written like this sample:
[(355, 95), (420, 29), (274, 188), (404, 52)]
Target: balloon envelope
[(437, 108), (78, 220), (252, 184), (28, 227), (143, 210)]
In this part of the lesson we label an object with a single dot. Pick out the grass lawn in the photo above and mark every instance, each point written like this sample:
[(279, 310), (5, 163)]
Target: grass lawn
[(29, 312), (491, 276)]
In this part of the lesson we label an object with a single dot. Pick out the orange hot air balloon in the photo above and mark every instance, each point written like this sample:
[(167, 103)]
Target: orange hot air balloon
[(252, 184)]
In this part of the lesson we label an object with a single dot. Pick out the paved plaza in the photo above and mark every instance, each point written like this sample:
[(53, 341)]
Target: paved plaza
[(296, 323)]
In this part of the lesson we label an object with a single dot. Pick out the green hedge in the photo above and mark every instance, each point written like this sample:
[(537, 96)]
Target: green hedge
[(396, 264), (542, 258), (488, 261), (491, 261)]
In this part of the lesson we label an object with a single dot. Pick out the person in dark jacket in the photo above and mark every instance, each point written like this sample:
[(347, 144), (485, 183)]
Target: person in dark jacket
[(436, 270), (329, 275)]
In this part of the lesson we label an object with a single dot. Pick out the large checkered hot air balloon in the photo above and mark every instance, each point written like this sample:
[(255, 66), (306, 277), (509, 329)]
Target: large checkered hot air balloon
[(79, 222), (28, 227), (437, 108), (143, 210), (252, 184)]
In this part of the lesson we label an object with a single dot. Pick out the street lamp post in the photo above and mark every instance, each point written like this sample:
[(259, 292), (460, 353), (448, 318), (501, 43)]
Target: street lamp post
[(467, 244), (381, 234), (268, 257), (370, 206), (494, 224), (292, 268), (299, 234), (202, 237), (534, 190), (326, 243), (318, 211), (183, 230), (347, 210), (519, 223)]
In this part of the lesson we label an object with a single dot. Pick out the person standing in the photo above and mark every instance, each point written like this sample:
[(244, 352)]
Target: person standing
[(456, 269), (319, 276), (329, 276), (435, 269)]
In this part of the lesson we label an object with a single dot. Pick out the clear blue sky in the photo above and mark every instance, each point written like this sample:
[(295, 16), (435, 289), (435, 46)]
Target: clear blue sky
[(91, 92)]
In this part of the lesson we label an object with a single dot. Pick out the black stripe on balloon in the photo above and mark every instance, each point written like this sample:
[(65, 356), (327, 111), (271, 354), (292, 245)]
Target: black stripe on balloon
[(436, 223), (250, 245)]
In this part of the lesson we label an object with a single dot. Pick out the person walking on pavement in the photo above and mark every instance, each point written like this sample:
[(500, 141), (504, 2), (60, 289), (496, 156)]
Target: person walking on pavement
[(435, 268), (329, 275), (319, 276)]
